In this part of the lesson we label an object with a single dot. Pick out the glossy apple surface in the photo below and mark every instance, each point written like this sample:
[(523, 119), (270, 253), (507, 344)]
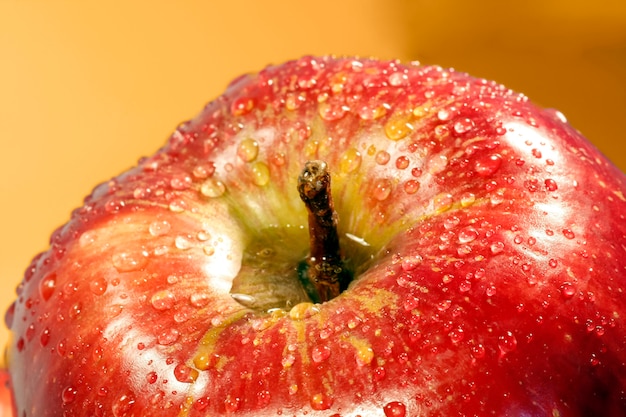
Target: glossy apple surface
[(485, 238)]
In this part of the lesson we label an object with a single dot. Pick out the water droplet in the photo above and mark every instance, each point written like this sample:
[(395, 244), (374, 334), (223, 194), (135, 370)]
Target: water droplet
[(443, 115), (159, 228), (409, 263), (320, 353), (551, 185), (98, 285), (350, 161), (199, 300), (437, 164), (553, 263), (180, 182), (47, 285), (123, 405), (398, 127), (568, 233), (490, 291), (507, 343), (382, 157), (68, 395), (411, 186), (456, 336), (129, 261), (212, 188), (241, 106), (442, 202), (394, 409), (168, 337), (163, 300), (467, 199), (321, 402), (203, 171), (371, 112), (467, 235), (568, 290), (402, 162), (478, 351), (185, 374), (202, 404), (463, 125), (260, 174), (382, 189), (497, 247), (152, 377), (248, 150), (182, 243), (488, 166)]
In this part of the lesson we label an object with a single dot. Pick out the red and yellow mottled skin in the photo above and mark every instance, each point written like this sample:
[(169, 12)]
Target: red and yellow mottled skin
[(487, 238)]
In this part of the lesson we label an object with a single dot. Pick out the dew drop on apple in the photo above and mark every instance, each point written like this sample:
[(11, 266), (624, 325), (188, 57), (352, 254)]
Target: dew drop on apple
[(320, 353), (486, 167), (199, 300), (168, 337), (260, 174), (463, 125), (568, 290), (382, 157), (47, 286), (129, 261), (163, 300), (507, 343), (467, 235), (467, 199), (98, 285), (442, 202), (350, 161), (232, 403), (152, 377), (123, 405), (551, 185), (411, 186), (185, 374), (382, 189), (394, 409), (68, 395), (398, 127), (553, 263), (497, 247), (568, 233), (159, 228), (212, 188), (321, 402), (248, 150)]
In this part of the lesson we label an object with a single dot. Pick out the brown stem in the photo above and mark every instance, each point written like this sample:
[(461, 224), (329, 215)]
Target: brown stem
[(326, 270)]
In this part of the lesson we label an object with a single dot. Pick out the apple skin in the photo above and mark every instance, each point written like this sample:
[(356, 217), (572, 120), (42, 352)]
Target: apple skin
[(6, 405), (486, 235)]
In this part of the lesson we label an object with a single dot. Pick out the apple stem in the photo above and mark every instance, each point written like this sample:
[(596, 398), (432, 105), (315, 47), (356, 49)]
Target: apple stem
[(326, 270)]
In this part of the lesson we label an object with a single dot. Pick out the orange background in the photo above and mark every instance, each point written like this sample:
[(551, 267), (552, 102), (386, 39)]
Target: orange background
[(88, 87)]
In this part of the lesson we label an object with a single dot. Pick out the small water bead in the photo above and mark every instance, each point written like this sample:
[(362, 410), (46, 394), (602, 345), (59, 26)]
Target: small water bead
[(442, 202), (394, 409), (47, 286), (467, 199), (181, 182), (382, 189), (185, 374), (241, 106), (402, 162), (463, 125), (553, 263), (486, 167), (68, 395), (212, 188), (382, 157), (467, 235), (203, 171), (568, 233), (168, 337), (411, 186), (321, 402), (507, 343), (437, 164), (497, 247), (372, 112), (159, 228), (551, 185), (177, 206), (398, 127), (260, 174), (163, 300), (320, 353), (182, 243), (568, 290), (248, 150), (98, 285), (350, 161), (129, 261)]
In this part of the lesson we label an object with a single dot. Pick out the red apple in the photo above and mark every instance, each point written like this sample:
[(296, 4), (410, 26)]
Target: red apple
[(472, 252)]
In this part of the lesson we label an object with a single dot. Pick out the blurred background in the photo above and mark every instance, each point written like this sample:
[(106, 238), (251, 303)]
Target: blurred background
[(86, 88)]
